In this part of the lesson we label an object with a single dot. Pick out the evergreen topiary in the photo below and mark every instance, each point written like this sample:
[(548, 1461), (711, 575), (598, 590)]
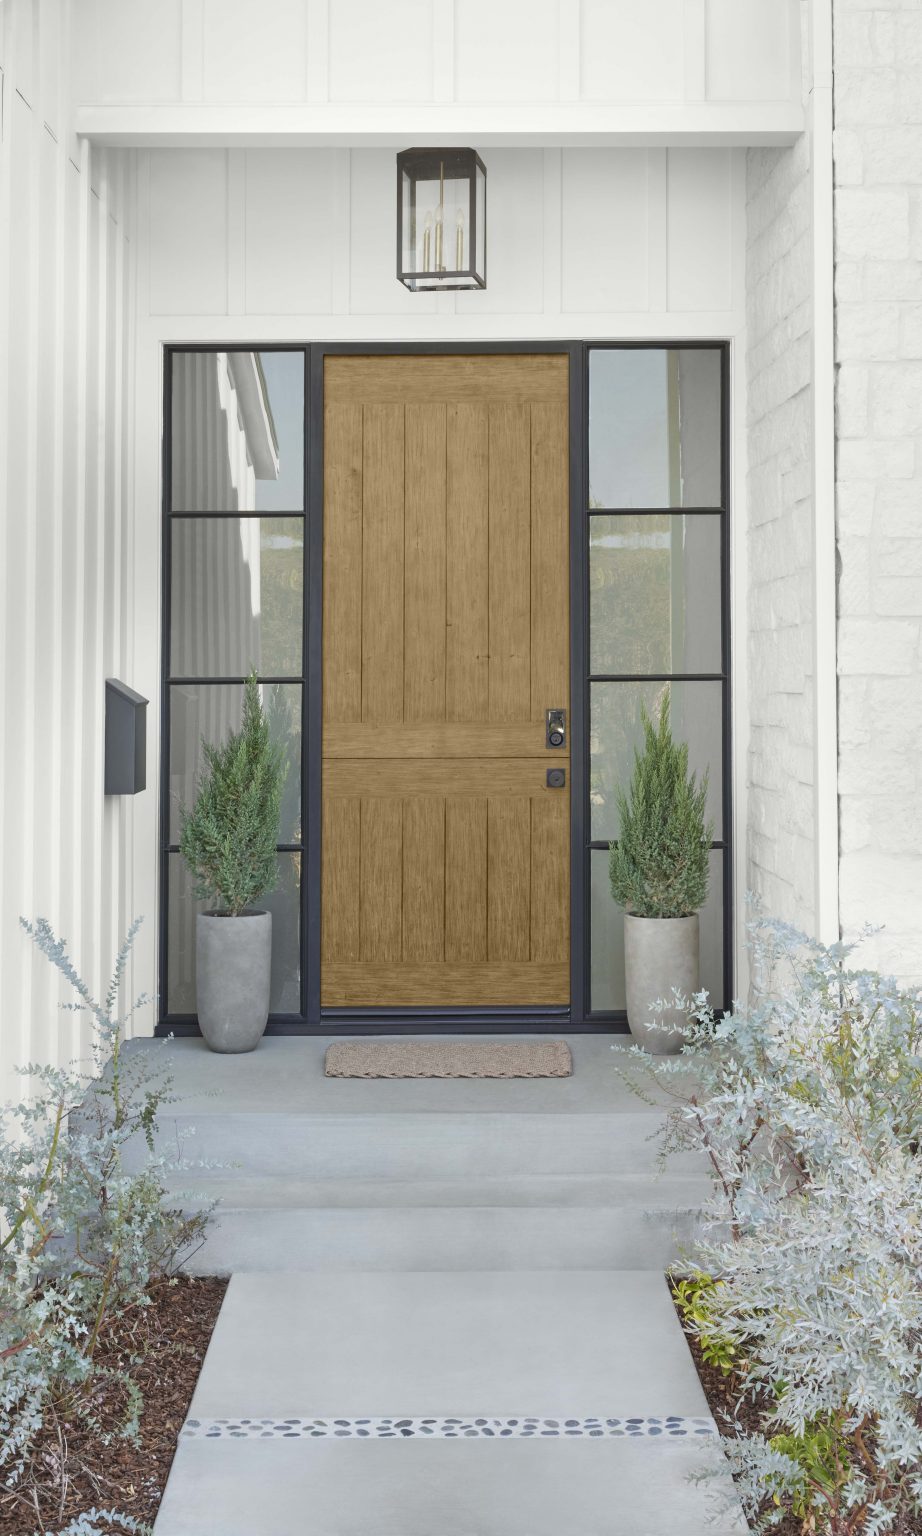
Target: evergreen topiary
[(229, 837), (659, 866)]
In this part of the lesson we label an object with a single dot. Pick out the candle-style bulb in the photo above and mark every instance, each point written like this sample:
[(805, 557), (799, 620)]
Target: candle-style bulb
[(427, 243), (439, 238), (459, 242)]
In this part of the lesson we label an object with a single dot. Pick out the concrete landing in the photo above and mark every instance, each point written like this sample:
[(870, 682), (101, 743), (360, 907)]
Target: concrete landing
[(448, 1405), (555, 1344)]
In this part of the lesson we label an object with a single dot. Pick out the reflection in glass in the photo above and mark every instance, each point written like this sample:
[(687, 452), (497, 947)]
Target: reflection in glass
[(238, 432), (237, 597), (214, 710), (285, 905), (654, 427), (615, 730), (606, 942), (654, 594)]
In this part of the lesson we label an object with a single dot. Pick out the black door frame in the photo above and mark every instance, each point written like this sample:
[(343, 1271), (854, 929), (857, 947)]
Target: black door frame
[(313, 1019)]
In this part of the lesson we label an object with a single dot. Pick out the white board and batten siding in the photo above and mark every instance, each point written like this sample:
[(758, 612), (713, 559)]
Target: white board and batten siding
[(67, 327)]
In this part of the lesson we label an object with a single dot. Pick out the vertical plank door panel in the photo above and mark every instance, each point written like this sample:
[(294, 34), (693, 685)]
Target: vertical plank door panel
[(467, 683), (424, 554), (550, 561), (509, 878), (381, 879), (342, 564), (341, 883), (465, 878), (382, 577), (510, 562), (424, 879)]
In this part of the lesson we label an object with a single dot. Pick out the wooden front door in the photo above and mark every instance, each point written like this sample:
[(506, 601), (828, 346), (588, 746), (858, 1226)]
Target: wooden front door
[(446, 854)]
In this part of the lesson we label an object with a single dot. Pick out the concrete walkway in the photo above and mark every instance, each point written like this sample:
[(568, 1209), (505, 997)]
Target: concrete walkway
[(452, 1396)]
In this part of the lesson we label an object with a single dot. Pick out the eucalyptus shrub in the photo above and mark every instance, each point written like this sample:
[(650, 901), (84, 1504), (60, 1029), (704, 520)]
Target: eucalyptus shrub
[(659, 865), (85, 1231), (808, 1105), (100, 1522), (229, 838)]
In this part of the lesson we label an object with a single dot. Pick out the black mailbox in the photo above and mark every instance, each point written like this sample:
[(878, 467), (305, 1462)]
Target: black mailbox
[(126, 739)]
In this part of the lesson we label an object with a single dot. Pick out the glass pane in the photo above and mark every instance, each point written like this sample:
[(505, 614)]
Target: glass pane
[(212, 712), (238, 432), (607, 937), (443, 228), (654, 427), (285, 905), (615, 730), (654, 594), (237, 596)]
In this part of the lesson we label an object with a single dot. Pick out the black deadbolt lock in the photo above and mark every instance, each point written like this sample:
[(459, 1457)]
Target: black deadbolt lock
[(556, 727), (556, 778)]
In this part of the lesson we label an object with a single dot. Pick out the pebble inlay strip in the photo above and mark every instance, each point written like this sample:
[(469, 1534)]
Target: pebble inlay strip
[(674, 1427)]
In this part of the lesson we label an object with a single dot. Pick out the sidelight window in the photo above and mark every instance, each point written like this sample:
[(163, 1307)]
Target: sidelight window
[(235, 570), (657, 612)]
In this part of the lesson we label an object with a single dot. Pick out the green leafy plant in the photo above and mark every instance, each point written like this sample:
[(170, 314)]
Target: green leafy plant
[(659, 865), (229, 837), (820, 1453), (694, 1299)]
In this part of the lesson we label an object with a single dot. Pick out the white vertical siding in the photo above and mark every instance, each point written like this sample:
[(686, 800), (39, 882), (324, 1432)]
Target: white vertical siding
[(67, 307), (367, 53)]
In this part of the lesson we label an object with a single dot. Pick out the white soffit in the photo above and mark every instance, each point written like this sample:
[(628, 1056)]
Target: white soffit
[(566, 125)]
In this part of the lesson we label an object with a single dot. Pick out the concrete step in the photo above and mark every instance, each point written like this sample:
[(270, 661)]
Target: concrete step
[(518, 1222), (273, 1112), (446, 1143)]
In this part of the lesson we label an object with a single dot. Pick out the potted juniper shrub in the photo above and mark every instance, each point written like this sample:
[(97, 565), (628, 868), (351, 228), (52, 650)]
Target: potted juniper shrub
[(228, 840), (659, 874)]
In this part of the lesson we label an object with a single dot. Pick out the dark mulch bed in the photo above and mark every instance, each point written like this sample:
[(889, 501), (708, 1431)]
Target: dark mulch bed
[(733, 1411), (167, 1342), (723, 1393)]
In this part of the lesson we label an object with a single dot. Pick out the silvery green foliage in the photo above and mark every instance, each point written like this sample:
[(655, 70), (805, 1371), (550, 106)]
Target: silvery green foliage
[(102, 1522), (82, 1235), (808, 1104)]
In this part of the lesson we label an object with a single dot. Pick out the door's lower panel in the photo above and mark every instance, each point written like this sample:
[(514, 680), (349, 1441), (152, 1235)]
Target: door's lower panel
[(500, 983)]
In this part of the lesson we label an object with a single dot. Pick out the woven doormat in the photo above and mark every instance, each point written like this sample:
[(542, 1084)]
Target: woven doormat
[(448, 1058)]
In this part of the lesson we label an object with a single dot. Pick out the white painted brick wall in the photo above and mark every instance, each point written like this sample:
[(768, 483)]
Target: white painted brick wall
[(781, 831), (878, 172)]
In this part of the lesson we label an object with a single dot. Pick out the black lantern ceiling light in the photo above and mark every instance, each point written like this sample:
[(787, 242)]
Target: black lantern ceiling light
[(441, 219)]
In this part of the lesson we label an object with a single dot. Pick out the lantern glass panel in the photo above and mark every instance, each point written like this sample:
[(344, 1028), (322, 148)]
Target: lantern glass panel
[(480, 222)]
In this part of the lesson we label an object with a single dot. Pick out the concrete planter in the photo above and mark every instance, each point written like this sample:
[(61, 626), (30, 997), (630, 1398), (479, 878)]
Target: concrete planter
[(660, 954), (233, 957)]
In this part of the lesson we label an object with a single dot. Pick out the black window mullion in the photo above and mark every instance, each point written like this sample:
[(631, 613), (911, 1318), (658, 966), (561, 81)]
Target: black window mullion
[(655, 511)]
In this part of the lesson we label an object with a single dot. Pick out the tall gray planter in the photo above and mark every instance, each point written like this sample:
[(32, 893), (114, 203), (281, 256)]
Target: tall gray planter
[(233, 958), (660, 955)]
